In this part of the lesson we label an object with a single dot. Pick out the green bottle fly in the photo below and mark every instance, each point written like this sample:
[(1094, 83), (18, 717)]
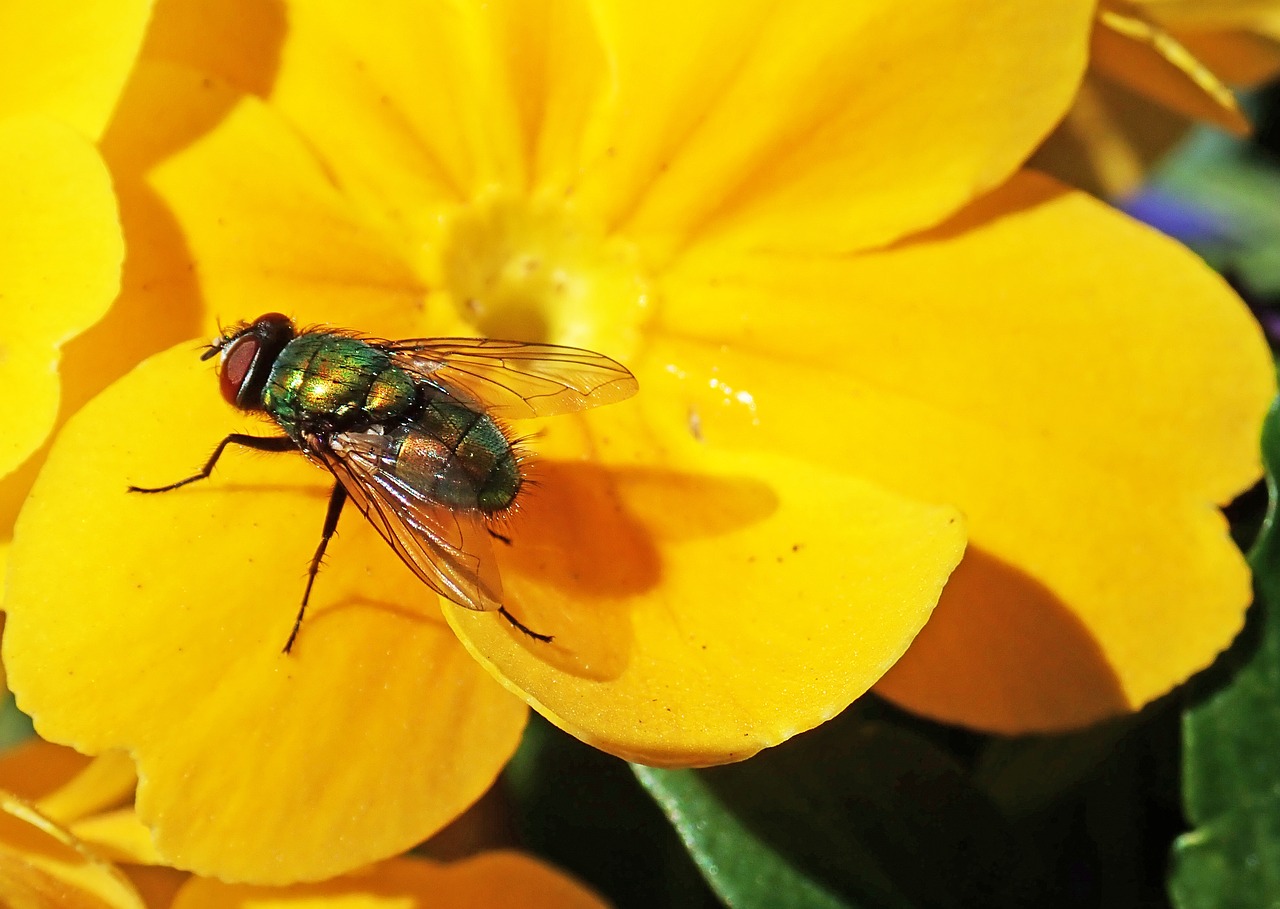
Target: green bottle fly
[(410, 431)]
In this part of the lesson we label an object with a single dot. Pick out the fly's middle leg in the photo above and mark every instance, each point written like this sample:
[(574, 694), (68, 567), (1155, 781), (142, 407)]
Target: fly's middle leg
[(337, 499)]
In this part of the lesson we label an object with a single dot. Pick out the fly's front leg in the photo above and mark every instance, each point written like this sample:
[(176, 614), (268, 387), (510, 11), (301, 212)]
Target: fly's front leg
[(257, 443), (337, 499)]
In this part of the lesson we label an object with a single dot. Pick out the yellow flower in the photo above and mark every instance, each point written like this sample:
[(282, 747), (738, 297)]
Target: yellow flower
[(64, 843), (60, 247), (501, 880), (1155, 65), (852, 322)]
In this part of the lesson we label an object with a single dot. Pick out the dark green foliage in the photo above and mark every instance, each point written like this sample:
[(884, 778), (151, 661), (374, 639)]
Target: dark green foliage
[(1232, 751)]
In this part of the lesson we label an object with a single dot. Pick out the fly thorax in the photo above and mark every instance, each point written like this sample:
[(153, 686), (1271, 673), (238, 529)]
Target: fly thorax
[(327, 380)]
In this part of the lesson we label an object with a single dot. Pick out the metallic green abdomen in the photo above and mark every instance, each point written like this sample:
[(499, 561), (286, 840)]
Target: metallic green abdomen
[(457, 456), (324, 381), (451, 453)]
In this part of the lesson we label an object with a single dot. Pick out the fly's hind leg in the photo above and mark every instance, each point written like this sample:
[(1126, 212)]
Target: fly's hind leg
[(544, 638), (257, 443), (502, 610), (337, 499)]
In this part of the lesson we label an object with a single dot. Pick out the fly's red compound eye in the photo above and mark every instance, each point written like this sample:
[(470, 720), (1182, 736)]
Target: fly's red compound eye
[(248, 356), (237, 364)]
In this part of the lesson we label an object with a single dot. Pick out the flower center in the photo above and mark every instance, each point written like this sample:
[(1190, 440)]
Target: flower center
[(529, 270)]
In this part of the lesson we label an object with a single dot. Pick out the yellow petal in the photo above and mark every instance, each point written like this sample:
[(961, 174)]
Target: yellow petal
[(67, 59), (458, 95), (60, 254), (623, 109), (119, 836), (259, 226), (43, 866), (494, 880), (1140, 54), (1084, 410), (109, 780), (874, 118), (704, 605), (163, 636), (410, 107)]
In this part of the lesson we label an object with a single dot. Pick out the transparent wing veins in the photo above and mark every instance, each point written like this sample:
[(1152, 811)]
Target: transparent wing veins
[(448, 550), (512, 379)]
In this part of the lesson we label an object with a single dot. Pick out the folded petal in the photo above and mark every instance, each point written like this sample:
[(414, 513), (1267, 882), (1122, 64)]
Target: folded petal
[(1141, 54), (107, 781), (119, 836), (1238, 57), (1083, 389), (162, 634), (68, 60), (703, 605), (41, 864), (60, 255)]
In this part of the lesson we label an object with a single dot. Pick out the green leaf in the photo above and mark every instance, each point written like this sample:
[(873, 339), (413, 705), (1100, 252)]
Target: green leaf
[(583, 811), (741, 867), (15, 726), (1231, 762), (856, 813)]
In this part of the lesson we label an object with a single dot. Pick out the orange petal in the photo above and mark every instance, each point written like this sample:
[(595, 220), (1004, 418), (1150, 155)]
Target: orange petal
[(235, 40), (43, 865), (67, 59), (164, 637), (1237, 57), (60, 254), (35, 768), (1109, 139), (875, 118), (495, 879), (704, 605), (1141, 54), (157, 885), (1212, 14), (1084, 410), (246, 219)]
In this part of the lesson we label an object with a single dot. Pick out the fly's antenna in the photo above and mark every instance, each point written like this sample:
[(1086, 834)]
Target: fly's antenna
[(211, 349)]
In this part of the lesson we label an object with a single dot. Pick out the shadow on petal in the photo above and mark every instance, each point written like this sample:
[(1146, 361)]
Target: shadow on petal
[(160, 303), (238, 40), (997, 637), (586, 541)]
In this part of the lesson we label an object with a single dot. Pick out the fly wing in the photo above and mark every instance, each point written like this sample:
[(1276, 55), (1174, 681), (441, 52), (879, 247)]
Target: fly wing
[(449, 550), (514, 380)]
